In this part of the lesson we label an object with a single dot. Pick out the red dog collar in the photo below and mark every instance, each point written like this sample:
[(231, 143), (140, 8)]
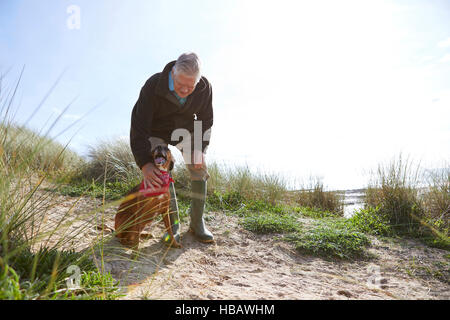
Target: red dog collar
[(165, 177)]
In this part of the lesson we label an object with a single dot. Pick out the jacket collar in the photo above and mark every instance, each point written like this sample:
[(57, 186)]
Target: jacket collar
[(162, 87)]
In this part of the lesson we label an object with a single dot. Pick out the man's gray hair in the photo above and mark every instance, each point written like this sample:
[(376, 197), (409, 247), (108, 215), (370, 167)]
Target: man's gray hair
[(188, 64)]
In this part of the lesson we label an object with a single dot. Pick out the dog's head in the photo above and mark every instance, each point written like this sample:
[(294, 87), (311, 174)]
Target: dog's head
[(162, 158)]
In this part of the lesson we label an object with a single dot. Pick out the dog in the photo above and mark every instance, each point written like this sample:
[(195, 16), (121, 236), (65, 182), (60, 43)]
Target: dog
[(141, 206)]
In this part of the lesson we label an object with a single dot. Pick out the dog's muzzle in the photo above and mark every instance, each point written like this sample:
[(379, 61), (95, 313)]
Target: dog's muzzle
[(160, 159), (160, 155)]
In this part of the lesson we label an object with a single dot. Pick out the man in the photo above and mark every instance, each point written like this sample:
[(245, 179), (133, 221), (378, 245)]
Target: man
[(178, 98)]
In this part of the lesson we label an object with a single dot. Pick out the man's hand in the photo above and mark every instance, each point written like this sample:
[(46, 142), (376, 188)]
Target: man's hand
[(151, 176)]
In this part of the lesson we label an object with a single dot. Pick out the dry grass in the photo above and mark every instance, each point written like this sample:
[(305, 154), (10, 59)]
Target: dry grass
[(32, 266), (313, 195), (414, 203), (224, 179), (110, 160), (22, 147)]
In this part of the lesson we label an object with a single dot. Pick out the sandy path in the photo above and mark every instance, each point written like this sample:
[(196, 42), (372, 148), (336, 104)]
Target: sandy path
[(242, 265)]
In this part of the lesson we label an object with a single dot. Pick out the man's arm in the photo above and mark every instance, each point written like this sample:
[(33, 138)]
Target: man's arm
[(141, 123), (206, 116)]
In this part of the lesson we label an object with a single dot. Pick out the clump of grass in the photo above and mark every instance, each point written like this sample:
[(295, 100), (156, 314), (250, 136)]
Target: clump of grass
[(263, 223), (436, 237), (109, 173), (262, 206), (238, 180), (437, 195), (394, 191), (97, 286), (236, 190), (402, 200), (110, 161), (44, 265), (108, 190), (32, 261), (313, 212), (27, 149), (371, 221), (235, 203), (331, 239), (230, 200), (268, 187), (314, 196), (9, 285), (42, 275), (439, 270), (436, 200)]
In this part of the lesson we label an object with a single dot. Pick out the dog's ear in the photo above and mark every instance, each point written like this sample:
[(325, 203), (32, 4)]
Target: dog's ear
[(172, 163)]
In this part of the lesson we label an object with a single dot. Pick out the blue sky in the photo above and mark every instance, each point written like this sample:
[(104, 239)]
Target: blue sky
[(326, 88)]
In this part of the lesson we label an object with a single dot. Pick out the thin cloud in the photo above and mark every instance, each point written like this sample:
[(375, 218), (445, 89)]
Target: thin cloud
[(445, 58), (444, 43), (427, 58)]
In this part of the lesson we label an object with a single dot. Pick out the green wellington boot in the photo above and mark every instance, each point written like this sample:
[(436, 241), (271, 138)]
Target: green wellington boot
[(174, 217), (196, 212)]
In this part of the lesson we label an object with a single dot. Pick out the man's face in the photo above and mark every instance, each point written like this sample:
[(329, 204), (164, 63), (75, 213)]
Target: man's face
[(183, 85)]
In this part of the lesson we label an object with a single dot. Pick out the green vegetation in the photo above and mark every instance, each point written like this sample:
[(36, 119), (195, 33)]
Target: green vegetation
[(313, 212), (394, 206), (314, 196), (331, 238), (9, 285), (439, 270), (43, 275), (97, 286), (398, 204), (270, 222), (395, 194), (371, 221), (110, 161), (25, 149), (33, 262), (111, 190)]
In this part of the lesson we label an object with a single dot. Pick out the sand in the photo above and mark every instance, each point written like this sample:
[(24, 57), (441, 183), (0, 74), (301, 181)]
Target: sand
[(243, 265)]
